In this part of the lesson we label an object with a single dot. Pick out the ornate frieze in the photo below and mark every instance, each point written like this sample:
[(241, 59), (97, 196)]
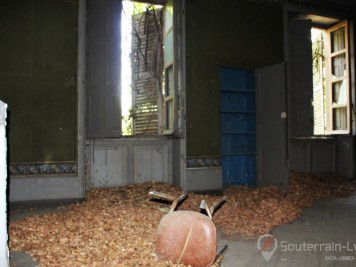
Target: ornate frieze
[(203, 162), (43, 168)]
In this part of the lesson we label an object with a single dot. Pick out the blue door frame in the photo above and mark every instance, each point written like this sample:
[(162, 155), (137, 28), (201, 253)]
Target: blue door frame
[(238, 126)]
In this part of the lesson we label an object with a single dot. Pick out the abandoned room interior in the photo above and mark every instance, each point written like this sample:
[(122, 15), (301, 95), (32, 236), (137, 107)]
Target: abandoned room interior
[(199, 95)]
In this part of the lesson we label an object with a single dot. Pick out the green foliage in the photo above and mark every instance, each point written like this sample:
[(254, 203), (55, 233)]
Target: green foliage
[(139, 8)]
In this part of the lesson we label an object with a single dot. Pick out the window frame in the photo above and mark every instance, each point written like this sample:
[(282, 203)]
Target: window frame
[(331, 107), (169, 94), (169, 100)]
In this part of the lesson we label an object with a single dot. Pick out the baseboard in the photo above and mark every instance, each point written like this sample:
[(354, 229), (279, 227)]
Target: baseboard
[(45, 187), (205, 179)]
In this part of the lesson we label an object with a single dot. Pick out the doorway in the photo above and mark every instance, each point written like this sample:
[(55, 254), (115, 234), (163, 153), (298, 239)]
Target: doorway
[(238, 126)]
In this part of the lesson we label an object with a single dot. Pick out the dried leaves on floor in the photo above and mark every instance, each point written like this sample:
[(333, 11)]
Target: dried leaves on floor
[(117, 226)]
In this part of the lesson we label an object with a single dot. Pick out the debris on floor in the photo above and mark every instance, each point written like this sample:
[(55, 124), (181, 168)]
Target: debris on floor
[(117, 226)]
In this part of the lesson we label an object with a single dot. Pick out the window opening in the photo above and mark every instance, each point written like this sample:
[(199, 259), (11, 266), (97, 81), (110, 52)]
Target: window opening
[(331, 80), (319, 93), (141, 68)]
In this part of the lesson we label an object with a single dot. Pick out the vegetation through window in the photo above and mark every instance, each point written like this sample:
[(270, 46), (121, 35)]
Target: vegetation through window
[(141, 68), (331, 93)]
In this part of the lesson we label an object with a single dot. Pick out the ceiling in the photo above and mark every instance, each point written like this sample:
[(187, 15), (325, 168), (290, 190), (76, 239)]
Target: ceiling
[(319, 21)]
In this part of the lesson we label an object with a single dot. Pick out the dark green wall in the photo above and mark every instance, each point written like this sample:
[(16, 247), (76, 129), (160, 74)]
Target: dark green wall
[(223, 33), (38, 70)]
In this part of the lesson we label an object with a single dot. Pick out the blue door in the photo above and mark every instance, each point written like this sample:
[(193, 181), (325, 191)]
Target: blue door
[(238, 126)]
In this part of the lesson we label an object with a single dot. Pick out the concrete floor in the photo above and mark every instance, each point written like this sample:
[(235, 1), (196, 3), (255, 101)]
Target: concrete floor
[(325, 235)]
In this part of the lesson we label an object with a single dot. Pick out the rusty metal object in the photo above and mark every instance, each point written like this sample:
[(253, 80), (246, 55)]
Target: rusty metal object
[(204, 206), (219, 255), (187, 237)]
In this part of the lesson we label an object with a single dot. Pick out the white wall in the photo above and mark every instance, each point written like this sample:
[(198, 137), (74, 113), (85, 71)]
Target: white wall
[(4, 251)]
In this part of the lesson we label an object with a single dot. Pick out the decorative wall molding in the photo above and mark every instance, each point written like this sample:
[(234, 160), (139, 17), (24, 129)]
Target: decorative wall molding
[(203, 162), (43, 168)]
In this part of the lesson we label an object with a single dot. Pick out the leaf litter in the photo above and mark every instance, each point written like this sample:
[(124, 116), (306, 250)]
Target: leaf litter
[(117, 226)]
